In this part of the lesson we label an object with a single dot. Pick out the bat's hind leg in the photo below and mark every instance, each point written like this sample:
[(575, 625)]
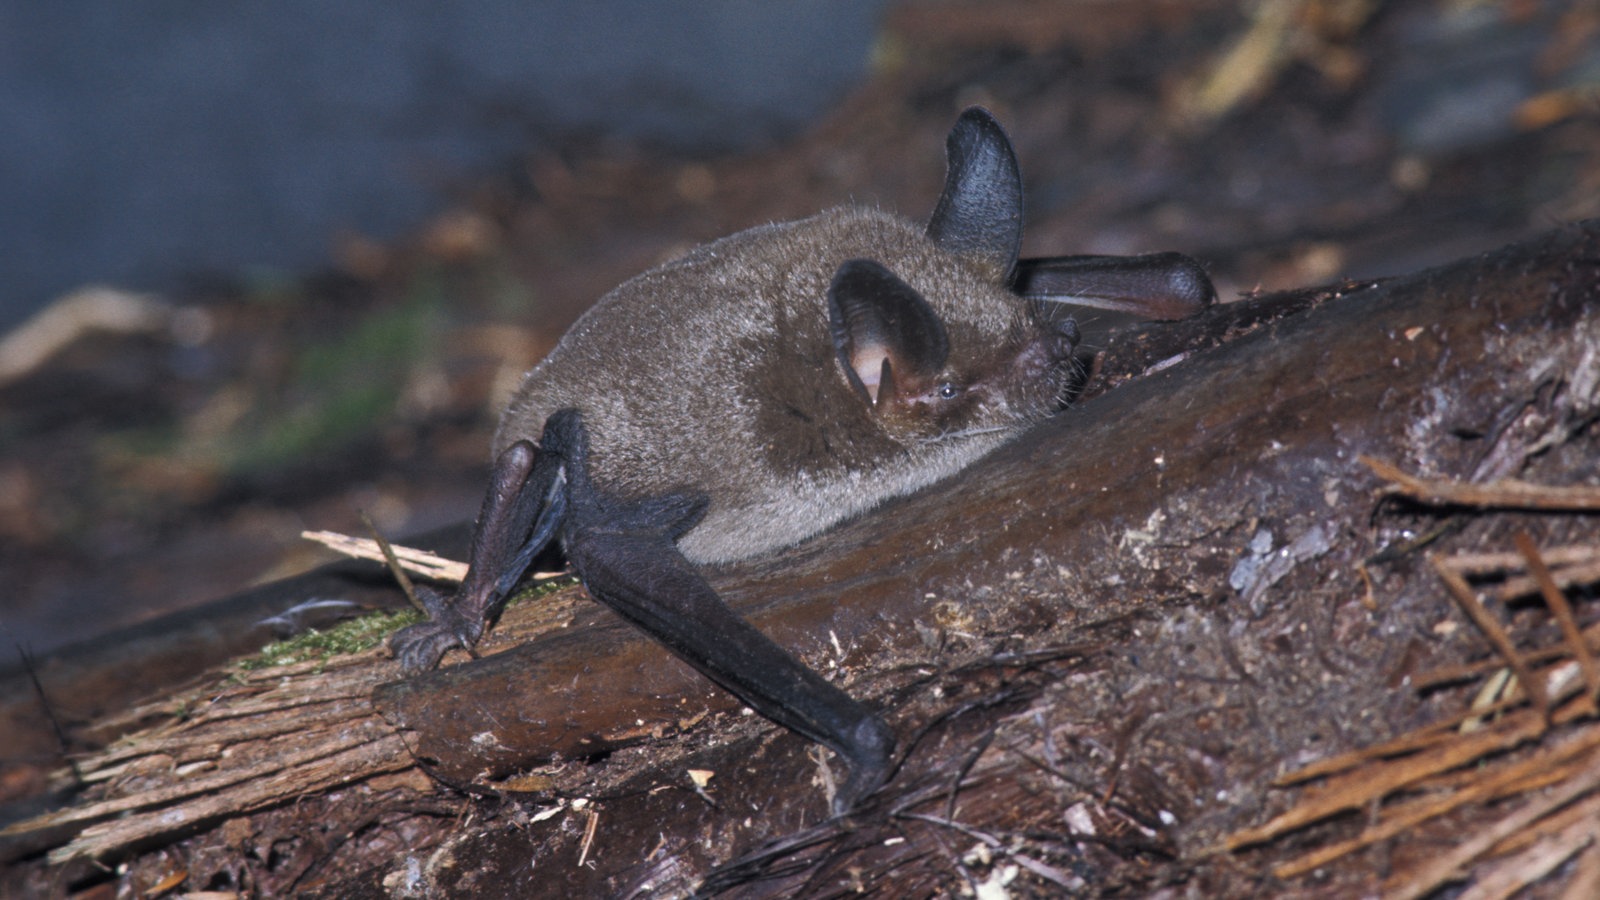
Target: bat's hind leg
[(626, 554), (522, 512)]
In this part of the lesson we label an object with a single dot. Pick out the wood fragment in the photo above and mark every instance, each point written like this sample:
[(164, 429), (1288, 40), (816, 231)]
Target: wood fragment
[(1360, 787), (591, 824), (1562, 611), (1507, 877), (1502, 782), (395, 569), (1468, 601), (1585, 881), (417, 562), (1507, 493), (1471, 564), (1445, 867)]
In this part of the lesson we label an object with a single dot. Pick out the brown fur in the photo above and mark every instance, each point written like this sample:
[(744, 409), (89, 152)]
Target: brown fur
[(716, 373)]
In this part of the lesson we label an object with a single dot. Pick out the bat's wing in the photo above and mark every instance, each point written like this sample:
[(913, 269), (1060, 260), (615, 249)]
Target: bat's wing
[(1159, 286), (627, 557), (648, 582)]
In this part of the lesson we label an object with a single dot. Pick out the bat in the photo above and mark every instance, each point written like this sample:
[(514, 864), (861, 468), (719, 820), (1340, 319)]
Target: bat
[(768, 385)]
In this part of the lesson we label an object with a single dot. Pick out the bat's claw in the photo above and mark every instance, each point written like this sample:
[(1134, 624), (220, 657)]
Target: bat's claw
[(419, 647)]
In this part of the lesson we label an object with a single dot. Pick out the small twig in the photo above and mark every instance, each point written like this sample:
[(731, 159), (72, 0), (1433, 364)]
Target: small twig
[(1507, 493), (1562, 610), (962, 827), (588, 835), (1397, 820), (1369, 598), (1055, 771), (1119, 756), (395, 569), (29, 666), (418, 562), (961, 773), (1409, 743), (1564, 577), (949, 851), (1462, 592), (1047, 872), (1491, 563)]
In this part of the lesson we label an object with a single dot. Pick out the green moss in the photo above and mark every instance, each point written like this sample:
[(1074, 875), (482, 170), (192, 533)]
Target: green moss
[(351, 636), (540, 589), (361, 634)]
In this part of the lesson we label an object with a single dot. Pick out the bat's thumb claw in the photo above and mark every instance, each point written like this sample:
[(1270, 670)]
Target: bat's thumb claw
[(870, 756)]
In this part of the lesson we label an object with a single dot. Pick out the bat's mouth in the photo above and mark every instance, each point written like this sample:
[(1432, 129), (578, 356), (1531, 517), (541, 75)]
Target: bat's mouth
[(1045, 370)]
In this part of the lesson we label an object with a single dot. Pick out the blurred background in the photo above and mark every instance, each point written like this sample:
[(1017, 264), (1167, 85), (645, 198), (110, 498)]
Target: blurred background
[(267, 268)]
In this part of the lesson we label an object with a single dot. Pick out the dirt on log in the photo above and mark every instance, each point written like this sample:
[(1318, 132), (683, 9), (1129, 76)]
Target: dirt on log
[(1098, 646)]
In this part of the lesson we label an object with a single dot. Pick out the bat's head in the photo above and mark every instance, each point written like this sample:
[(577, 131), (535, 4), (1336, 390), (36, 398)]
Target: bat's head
[(969, 356), (920, 383)]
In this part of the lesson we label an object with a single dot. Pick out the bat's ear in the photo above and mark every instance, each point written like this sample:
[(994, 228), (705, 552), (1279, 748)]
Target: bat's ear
[(883, 331), (979, 215)]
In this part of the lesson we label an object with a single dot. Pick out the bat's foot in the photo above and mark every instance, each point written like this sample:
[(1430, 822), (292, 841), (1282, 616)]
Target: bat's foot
[(870, 756), (419, 647)]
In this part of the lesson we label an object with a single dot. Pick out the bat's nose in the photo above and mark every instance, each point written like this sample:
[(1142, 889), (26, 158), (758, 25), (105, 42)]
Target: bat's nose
[(1067, 329)]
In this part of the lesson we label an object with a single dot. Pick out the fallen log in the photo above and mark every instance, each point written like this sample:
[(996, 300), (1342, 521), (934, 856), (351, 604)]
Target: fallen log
[(1130, 489), (1111, 633), (92, 682)]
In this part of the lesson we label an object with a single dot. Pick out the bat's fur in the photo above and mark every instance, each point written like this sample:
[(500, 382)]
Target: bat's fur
[(716, 373)]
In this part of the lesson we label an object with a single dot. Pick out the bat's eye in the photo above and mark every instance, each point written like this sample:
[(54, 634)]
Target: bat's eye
[(946, 391)]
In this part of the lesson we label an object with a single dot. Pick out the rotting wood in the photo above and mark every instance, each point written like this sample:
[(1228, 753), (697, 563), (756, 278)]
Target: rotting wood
[(1448, 863), (374, 752), (110, 681), (1502, 783), (1566, 765), (276, 736)]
